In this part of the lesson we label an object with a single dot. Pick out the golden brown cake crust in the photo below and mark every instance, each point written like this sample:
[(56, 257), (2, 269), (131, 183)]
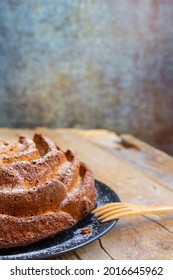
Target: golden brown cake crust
[(43, 190)]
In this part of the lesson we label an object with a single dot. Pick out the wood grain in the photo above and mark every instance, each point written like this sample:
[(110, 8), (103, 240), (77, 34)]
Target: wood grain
[(138, 173)]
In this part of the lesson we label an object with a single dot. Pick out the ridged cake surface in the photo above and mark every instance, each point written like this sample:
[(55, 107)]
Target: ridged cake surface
[(43, 190)]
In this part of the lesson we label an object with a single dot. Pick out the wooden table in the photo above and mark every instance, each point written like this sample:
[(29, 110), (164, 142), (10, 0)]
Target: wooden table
[(138, 173)]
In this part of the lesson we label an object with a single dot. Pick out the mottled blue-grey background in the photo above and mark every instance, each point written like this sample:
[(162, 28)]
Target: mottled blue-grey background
[(90, 64)]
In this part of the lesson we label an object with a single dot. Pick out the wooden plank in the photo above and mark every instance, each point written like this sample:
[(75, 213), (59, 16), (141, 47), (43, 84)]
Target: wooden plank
[(139, 238), (151, 161), (67, 256)]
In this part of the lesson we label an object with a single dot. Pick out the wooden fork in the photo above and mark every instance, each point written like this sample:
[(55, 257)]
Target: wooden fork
[(116, 210)]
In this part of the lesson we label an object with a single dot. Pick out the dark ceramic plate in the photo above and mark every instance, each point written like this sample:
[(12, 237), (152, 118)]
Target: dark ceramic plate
[(71, 239)]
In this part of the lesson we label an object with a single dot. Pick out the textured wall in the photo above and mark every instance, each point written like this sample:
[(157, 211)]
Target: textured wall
[(92, 63)]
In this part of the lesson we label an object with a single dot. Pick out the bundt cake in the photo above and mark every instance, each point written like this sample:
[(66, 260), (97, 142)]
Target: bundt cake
[(43, 190)]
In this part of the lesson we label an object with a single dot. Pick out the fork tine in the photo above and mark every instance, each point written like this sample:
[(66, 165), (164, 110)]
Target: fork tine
[(113, 213), (108, 206), (113, 217), (109, 209), (119, 215)]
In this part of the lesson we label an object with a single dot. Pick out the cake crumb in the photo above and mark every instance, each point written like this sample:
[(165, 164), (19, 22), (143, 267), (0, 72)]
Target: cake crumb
[(86, 230)]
